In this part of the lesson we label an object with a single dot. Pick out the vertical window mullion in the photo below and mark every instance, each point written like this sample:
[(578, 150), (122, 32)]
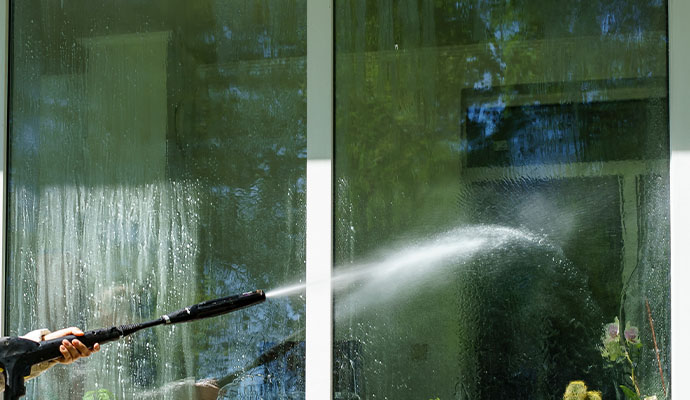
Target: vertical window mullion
[(679, 96), (319, 199), (4, 65)]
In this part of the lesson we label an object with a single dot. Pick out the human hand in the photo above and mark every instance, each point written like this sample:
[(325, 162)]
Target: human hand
[(74, 350)]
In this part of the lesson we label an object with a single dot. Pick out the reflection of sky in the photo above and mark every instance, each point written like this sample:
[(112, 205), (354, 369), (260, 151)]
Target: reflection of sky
[(487, 116), (262, 136), (507, 30), (583, 126), (618, 16), (281, 378), (227, 32), (258, 29), (28, 139), (534, 134), (607, 22), (485, 82)]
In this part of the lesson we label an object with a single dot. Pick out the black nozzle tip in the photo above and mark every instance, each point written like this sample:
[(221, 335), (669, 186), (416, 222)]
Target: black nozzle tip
[(256, 293)]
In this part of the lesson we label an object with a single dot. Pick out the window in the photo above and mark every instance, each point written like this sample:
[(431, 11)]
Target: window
[(495, 184), (157, 159), (502, 172)]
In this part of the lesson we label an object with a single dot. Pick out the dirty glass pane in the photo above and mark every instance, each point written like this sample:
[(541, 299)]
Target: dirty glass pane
[(501, 199), (157, 159)]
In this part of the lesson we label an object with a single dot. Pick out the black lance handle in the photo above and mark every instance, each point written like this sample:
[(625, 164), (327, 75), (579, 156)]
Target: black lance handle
[(50, 349), (212, 308)]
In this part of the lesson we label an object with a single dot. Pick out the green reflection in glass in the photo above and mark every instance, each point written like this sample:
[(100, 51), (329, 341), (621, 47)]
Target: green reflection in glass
[(548, 118), (158, 154)]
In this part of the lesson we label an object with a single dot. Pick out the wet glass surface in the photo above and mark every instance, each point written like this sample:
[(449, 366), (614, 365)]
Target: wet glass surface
[(157, 159), (512, 158)]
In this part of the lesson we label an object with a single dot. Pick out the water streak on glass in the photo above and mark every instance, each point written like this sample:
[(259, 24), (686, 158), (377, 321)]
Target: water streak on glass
[(157, 159), (548, 118)]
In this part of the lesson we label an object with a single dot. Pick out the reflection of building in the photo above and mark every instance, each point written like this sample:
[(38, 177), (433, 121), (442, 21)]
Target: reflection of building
[(606, 139), (559, 134), (605, 135)]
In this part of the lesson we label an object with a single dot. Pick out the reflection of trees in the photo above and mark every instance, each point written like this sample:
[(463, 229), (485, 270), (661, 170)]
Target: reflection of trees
[(241, 131), (427, 90), (400, 112), (221, 212)]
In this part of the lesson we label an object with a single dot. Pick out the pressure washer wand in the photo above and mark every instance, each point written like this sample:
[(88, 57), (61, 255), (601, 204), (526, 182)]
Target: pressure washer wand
[(17, 355)]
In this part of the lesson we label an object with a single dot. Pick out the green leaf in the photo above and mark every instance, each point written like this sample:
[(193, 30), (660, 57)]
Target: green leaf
[(629, 393), (100, 394)]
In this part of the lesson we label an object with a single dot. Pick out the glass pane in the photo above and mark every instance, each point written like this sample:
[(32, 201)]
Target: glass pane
[(502, 199), (158, 157)]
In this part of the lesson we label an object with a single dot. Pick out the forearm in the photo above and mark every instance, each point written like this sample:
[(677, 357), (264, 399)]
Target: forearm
[(71, 351), (36, 370)]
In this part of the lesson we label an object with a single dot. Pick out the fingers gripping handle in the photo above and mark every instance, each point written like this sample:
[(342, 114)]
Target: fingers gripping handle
[(50, 349)]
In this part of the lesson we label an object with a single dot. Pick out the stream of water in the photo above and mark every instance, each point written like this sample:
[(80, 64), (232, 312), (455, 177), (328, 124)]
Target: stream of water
[(410, 264)]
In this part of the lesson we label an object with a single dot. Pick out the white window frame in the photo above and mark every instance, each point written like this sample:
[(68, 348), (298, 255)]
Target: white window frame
[(319, 241), (320, 95), (679, 114)]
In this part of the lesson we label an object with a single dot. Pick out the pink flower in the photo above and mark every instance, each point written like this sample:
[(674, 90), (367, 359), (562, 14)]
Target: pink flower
[(612, 329), (632, 334)]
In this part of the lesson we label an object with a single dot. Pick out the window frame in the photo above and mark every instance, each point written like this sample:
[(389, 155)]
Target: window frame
[(679, 121), (319, 224), (320, 115)]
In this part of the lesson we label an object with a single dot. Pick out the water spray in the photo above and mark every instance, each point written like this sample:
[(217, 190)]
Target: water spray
[(17, 355)]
